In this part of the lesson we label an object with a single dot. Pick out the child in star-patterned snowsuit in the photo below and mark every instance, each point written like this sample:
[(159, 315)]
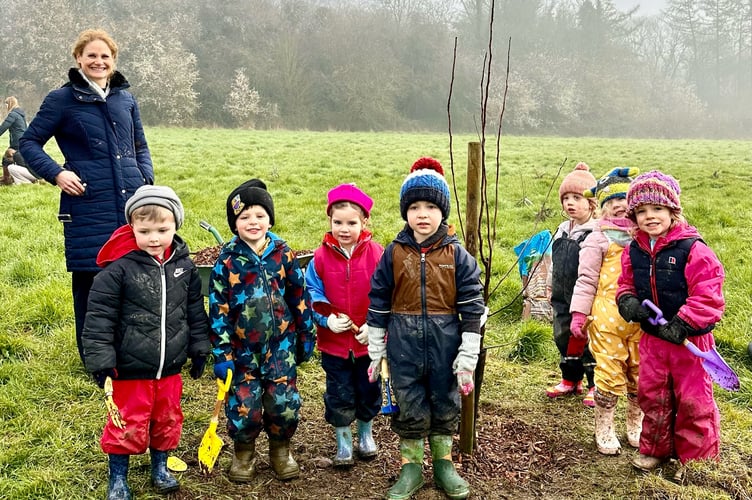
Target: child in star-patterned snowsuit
[(261, 329)]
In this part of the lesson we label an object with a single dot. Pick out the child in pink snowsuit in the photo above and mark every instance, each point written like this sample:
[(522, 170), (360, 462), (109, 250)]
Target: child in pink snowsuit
[(669, 264)]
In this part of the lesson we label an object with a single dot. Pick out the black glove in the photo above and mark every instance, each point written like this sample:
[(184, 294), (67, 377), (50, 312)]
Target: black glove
[(101, 375), (304, 352), (631, 309), (676, 330), (198, 364)]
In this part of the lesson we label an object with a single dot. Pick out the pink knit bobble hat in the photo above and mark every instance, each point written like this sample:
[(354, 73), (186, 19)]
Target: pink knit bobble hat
[(351, 193), (577, 181), (654, 188)]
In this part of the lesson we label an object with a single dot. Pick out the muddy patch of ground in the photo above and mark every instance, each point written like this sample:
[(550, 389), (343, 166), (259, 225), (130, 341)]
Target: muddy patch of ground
[(514, 459)]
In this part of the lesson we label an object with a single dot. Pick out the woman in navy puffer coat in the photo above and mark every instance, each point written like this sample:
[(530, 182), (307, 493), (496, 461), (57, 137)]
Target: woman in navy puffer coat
[(97, 126)]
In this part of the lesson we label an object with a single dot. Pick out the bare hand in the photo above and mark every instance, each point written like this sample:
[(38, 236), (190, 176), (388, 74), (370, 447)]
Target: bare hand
[(69, 183)]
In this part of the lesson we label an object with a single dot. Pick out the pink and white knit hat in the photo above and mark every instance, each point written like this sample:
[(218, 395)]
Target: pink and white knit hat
[(654, 188)]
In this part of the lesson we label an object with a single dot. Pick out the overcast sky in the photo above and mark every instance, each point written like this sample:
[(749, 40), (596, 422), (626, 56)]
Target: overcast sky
[(647, 7)]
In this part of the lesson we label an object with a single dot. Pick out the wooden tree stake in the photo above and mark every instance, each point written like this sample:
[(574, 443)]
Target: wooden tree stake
[(472, 240)]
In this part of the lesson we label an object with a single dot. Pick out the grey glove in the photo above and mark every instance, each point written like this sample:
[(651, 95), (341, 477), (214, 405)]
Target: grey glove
[(376, 351), (464, 363), (631, 309)]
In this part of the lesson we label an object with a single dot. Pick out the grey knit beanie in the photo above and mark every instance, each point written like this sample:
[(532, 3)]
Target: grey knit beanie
[(162, 196)]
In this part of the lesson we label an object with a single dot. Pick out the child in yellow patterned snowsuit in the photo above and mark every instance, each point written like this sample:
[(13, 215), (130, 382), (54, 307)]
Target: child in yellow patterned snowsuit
[(613, 341)]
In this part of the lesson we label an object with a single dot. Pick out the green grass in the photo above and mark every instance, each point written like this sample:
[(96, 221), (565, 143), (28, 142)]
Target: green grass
[(51, 415)]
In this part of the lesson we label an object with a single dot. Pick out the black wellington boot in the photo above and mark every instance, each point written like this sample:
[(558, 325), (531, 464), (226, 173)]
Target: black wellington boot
[(161, 478), (118, 489)]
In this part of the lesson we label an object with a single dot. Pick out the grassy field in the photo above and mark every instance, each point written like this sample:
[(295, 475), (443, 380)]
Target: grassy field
[(51, 414)]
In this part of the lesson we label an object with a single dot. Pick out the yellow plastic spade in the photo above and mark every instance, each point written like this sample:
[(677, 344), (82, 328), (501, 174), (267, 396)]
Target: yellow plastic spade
[(176, 465), (112, 410), (211, 443)]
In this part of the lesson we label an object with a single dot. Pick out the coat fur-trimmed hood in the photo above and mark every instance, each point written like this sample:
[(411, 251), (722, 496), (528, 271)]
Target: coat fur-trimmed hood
[(117, 80)]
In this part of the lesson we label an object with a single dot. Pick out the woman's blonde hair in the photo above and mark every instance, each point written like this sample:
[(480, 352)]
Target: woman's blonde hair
[(11, 103), (90, 35)]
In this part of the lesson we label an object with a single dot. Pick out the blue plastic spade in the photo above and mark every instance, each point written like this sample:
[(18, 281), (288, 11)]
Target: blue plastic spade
[(390, 407)]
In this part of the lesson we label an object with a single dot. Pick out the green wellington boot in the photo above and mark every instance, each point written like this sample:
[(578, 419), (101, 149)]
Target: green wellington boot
[(411, 475), (344, 456), (243, 468), (444, 474)]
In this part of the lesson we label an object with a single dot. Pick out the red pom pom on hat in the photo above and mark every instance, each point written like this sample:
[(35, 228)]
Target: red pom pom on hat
[(427, 163)]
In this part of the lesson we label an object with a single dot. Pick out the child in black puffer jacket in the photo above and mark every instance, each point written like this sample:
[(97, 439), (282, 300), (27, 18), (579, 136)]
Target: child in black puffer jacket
[(145, 318)]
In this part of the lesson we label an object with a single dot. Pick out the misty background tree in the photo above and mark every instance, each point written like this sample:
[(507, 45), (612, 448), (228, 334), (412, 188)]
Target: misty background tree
[(578, 67)]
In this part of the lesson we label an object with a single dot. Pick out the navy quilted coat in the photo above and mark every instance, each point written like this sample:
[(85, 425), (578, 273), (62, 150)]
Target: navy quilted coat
[(15, 123), (103, 142)]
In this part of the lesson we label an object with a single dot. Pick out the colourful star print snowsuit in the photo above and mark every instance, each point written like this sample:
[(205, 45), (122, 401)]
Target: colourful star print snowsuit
[(260, 312)]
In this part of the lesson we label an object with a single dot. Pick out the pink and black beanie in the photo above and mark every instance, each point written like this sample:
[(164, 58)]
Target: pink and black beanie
[(654, 188), (351, 193), (252, 192), (425, 182)]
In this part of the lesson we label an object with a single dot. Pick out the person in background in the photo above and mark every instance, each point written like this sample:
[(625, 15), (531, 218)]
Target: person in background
[(146, 318), (339, 279), (15, 124), (426, 293), (668, 263), (565, 250), (613, 341), (14, 167), (262, 328), (97, 126)]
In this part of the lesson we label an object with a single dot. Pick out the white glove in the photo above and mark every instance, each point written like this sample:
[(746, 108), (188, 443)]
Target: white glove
[(464, 363), (376, 351), (338, 323), (484, 316), (362, 335), (465, 382)]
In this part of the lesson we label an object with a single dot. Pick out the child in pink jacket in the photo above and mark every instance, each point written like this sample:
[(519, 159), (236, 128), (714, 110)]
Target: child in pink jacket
[(339, 280), (612, 340), (669, 264)]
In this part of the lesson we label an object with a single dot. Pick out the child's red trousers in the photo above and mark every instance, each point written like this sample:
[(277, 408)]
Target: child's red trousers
[(152, 415)]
